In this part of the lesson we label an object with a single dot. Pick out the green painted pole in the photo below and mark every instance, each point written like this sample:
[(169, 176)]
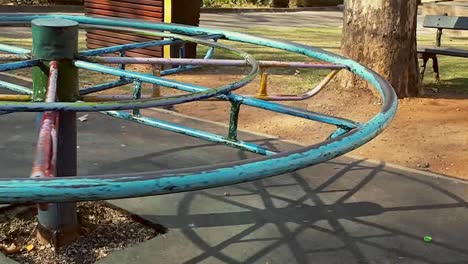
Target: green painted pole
[(234, 120), (57, 39)]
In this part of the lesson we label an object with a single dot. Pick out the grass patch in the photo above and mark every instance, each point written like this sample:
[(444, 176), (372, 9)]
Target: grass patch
[(453, 70), (326, 38)]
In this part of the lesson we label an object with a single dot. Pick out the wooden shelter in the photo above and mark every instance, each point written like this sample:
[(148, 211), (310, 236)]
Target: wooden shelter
[(168, 11)]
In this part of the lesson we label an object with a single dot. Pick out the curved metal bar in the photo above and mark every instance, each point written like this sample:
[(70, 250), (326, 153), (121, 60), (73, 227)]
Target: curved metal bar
[(162, 182), (210, 62)]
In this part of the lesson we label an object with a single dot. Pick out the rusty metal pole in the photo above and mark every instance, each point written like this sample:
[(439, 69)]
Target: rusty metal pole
[(57, 39)]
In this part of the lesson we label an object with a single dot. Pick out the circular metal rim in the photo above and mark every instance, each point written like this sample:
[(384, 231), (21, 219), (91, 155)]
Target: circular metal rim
[(83, 188), (133, 104)]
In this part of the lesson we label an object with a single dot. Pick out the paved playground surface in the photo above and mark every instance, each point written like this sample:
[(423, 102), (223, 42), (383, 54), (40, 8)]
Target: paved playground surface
[(342, 211), (238, 21)]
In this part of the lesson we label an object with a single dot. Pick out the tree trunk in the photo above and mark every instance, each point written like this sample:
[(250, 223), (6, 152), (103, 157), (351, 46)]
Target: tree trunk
[(381, 34)]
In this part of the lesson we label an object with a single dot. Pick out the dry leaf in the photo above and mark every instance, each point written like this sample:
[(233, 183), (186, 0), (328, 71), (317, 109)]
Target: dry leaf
[(29, 247), (83, 118)]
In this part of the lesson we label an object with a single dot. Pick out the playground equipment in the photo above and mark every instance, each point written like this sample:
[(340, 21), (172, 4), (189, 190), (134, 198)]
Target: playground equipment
[(55, 60)]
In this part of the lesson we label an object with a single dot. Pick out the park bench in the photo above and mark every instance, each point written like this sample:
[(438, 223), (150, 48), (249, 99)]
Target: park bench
[(441, 23)]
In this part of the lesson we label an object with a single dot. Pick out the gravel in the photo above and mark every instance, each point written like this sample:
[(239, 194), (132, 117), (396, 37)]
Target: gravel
[(104, 229)]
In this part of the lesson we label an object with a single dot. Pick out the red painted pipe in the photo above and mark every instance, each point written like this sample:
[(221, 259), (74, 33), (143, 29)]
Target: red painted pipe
[(45, 158)]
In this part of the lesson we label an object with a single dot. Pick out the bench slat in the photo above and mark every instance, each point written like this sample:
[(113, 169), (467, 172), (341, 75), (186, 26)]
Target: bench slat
[(446, 22), (444, 51)]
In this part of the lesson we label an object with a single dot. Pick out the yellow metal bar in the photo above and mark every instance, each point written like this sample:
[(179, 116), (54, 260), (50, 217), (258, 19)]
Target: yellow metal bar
[(263, 91), (15, 97), (167, 19)]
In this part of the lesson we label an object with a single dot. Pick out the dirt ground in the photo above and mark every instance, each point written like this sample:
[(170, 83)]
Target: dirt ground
[(428, 133)]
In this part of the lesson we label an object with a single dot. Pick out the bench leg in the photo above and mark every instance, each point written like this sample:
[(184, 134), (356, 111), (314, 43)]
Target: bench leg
[(435, 67), (425, 57)]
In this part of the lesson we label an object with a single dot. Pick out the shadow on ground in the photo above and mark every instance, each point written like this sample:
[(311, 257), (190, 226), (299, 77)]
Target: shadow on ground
[(454, 88), (342, 211)]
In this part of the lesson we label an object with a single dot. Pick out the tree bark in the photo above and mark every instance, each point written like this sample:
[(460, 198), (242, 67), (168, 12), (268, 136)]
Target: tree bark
[(381, 34)]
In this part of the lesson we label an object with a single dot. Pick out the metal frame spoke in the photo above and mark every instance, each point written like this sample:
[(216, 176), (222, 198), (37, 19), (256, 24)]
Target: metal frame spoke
[(14, 57), (19, 65), (14, 50), (15, 87)]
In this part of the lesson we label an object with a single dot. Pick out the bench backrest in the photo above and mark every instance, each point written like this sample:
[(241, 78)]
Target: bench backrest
[(446, 22)]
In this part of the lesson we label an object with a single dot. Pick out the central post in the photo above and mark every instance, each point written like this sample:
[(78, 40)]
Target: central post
[(57, 40)]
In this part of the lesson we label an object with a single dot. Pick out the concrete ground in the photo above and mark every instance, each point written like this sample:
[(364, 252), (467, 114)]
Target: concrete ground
[(342, 211), (273, 20), (236, 21)]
